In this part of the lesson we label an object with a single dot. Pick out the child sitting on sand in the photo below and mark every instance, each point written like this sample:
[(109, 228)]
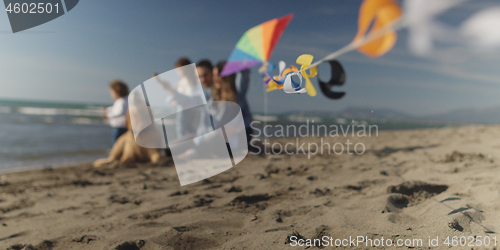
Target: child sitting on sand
[(116, 114), (126, 150)]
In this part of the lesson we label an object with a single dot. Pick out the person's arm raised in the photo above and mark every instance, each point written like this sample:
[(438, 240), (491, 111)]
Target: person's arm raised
[(164, 84)]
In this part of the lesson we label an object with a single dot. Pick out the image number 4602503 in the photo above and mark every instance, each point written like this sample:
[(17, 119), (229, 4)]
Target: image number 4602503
[(26, 14)]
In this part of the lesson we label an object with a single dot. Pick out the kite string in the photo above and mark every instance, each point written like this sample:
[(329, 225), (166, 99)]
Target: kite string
[(393, 26), (265, 107)]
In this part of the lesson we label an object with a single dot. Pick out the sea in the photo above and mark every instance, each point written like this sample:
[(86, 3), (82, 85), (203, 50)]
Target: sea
[(36, 134), (45, 134)]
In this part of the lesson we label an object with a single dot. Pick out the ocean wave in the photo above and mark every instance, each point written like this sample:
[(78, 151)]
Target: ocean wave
[(341, 120), (265, 118), (296, 118), (47, 155), (59, 111), (86, 121)]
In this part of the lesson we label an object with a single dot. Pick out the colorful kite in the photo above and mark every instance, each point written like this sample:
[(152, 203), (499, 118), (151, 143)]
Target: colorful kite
[(337, 78), (380, 14), (256, 45), (378, 22), (377, 25), (376, 36)]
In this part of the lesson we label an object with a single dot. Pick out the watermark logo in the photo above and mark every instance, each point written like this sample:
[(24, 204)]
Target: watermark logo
[(26, 14), (312, 138), (171, 111)]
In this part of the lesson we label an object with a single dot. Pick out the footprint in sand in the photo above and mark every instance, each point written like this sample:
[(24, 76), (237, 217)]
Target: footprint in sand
[(250, 203), (47, 244), (131, 245), (411, 193), (395, 203)]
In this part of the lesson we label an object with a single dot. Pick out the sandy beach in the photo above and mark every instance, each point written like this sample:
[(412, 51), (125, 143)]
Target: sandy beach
[(408, 185)]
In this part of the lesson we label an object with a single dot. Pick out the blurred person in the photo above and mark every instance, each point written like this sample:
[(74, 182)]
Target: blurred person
[(204, 68), (126, 150), (116, 114), (186, 121), (212, 113), (183, 86), (217, 114), (240, 86), (181, 99)]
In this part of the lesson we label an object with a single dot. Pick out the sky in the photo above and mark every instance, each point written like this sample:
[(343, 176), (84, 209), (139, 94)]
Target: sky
[(73, 58)]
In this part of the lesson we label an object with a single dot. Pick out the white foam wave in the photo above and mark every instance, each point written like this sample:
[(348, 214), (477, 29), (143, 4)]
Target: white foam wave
[(59, 111), (341, 120), (265, 118), (80, 120), (296, 118)]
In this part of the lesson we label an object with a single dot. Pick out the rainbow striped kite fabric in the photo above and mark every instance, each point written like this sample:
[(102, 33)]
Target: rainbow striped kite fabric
[(256, 45)]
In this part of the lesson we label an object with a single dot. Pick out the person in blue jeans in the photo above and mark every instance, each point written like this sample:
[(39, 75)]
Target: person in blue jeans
[(117, 114), (241, 84)]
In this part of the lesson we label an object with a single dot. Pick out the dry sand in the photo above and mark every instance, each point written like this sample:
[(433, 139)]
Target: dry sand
[(408, 185)]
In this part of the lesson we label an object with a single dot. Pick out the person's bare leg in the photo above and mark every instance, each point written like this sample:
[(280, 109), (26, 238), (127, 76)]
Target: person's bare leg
[(114, 154), (153, 155), (129, 150)]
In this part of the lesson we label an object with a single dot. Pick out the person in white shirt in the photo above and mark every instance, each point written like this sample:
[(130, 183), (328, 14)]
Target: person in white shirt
[(117, 114), (186, 120)]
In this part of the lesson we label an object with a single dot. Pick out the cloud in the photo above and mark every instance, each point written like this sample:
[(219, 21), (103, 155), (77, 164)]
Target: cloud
[(470, 65)]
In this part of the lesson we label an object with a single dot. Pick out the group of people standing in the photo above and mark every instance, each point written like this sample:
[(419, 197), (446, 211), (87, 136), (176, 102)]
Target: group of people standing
[(217, 89), (232, 88)]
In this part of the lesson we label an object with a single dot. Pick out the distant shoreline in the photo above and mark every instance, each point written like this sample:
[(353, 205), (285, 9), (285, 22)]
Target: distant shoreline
[(52, 102)]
